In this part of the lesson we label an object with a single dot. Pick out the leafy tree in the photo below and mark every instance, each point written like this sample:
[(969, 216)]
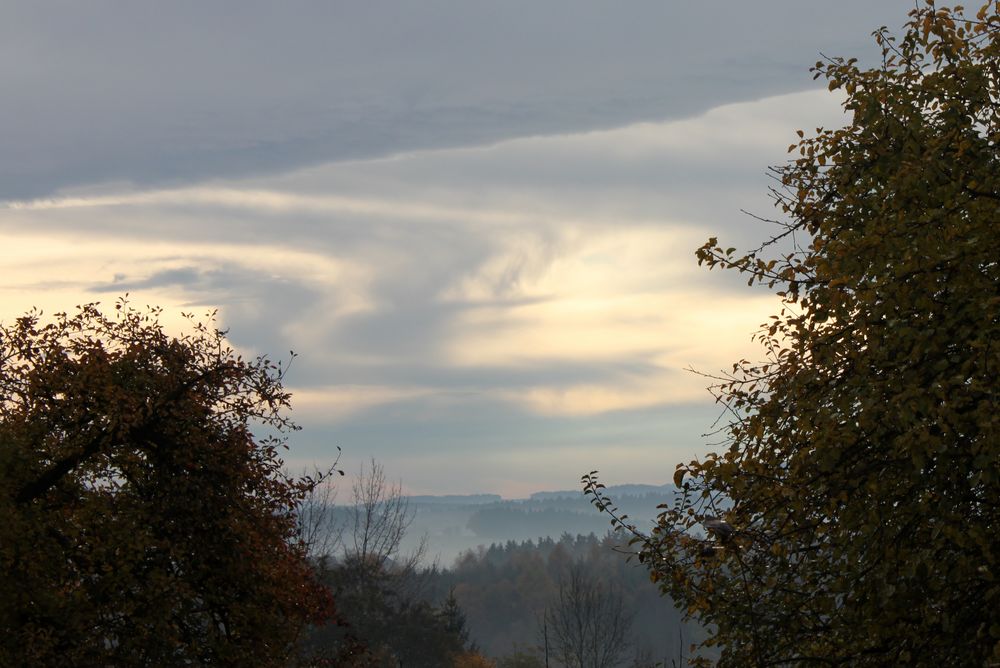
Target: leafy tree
[(851, 515), (143, 522)]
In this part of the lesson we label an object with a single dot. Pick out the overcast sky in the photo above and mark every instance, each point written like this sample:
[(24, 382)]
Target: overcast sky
[(475, 222)]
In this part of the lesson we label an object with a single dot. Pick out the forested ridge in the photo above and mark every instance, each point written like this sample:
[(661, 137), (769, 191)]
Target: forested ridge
[(495, 599)]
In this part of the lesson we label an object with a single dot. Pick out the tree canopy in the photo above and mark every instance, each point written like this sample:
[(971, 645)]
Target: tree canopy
[(850, 516), (143, 521)]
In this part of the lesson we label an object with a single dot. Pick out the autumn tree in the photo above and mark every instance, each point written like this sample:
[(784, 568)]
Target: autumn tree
[(144, 522), (851, 514)]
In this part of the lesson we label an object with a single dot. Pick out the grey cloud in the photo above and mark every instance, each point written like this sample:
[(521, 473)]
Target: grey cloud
[(256, 304), (416, 261), (188, 277), (403, 336), (474, 379), (183, 92), (429, 427), (159, 93)]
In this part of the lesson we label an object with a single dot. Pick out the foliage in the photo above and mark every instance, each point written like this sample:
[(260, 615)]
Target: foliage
[(143, 522), (851, 515)]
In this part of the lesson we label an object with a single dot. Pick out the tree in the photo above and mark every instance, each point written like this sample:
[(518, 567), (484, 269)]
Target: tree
[(588, 625), (317, 524), (851, 515), (379, 516), (143, 522), (387, 619), (453, 619)]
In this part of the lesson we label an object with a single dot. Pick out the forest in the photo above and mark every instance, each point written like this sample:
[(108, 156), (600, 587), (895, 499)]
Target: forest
[(503, 602), (515, 602), (452, 525)]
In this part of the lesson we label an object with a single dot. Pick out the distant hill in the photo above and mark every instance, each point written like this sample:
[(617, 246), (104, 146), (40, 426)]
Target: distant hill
[(614, 491), (455, 523), (456, 499)]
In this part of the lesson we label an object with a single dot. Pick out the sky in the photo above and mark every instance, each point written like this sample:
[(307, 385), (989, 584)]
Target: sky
[(474, 222)]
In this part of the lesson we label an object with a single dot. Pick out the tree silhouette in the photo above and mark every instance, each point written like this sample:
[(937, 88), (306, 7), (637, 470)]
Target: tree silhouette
[(851, 516), (143, 522), (587, 623)]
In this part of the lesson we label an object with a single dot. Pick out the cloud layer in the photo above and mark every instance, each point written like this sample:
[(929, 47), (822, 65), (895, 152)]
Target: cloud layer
[(524, 311), (155, 93), (474, 221)]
